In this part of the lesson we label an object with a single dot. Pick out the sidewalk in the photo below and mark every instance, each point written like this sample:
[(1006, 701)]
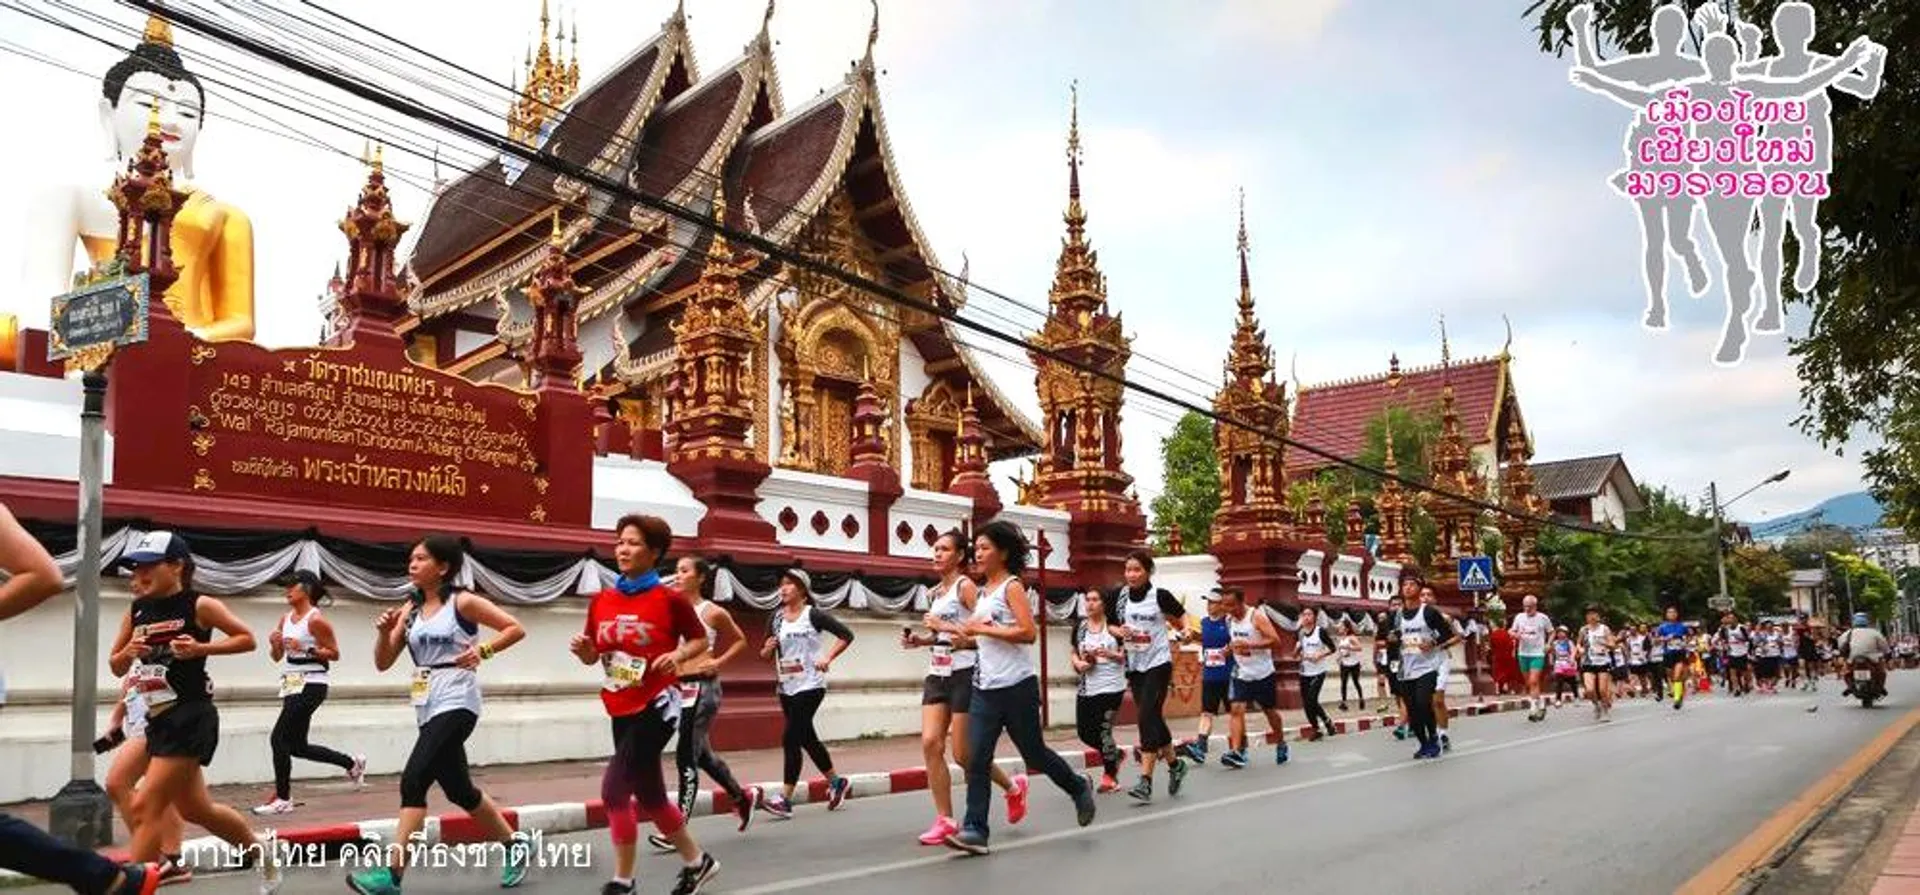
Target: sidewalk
[(561, 797), (1901, 875)]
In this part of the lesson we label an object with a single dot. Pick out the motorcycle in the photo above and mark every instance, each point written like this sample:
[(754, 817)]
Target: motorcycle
[(1863, 683)]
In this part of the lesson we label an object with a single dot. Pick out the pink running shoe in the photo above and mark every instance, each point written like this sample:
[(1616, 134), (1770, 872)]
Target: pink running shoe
[(1017, 800), (938, 833)]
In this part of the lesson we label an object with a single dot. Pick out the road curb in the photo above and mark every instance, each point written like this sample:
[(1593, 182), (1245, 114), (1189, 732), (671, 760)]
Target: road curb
[(208, 853)]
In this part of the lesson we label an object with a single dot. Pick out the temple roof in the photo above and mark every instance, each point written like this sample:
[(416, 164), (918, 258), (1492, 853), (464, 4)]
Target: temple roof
[(1333, 417), (1584, 478), (655, 123)]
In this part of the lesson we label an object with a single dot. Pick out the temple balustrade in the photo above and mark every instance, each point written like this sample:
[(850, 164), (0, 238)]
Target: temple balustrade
[(919, 518)]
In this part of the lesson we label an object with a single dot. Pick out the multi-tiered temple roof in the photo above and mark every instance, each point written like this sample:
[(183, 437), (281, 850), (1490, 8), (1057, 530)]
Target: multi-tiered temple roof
[(656, 122)]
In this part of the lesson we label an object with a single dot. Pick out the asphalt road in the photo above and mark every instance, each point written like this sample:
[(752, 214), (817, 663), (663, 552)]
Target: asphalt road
[(1636, 805)]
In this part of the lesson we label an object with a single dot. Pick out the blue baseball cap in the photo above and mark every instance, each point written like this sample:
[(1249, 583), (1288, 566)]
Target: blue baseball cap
[(157, 546)]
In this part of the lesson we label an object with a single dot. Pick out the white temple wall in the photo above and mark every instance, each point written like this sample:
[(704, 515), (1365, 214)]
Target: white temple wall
[(806, 498), (623, 485), (920, 513)]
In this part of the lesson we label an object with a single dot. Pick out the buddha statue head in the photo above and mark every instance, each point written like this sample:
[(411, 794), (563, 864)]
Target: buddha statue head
[(151, 78)]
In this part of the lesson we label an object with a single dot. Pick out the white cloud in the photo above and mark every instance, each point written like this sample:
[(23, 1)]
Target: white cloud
[(1282, 23)]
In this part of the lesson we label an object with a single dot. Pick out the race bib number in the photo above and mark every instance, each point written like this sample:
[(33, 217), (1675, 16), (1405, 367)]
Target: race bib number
[(1394, 666), (1216, 658), (623, 671), (1416, 642), (689, 692), (941, 664), (790, 669), (150, 681), (1313, 652), (1676, 645), (292, 683), (418, 692), (1139, 642), (1380, 657)]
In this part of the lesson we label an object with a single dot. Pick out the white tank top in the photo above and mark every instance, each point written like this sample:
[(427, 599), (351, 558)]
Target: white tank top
[(1314, 654), (1147, 646), (1001, 664), (1255, 665), (1417, 659), (1106, 675), (298, 665), (943, 659), (433, 642), (796, 661), (1597, 652), (713, 636)]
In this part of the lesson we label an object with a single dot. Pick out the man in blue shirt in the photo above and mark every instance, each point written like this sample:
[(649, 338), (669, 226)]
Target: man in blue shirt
[(1216, 672), (1671, 638)]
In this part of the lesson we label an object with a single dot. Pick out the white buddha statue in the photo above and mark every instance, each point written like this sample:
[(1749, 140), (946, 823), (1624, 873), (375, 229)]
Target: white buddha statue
[(212, 241)]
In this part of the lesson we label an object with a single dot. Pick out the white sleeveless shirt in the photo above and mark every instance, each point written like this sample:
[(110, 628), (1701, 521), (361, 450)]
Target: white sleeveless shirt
[(1148, 646), (796, 660), (1256, 665), (1002, 664), (943, 659), (433, 642), (298, 665)]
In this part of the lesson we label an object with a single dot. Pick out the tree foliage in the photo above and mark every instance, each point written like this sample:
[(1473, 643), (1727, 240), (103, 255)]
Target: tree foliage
[(1191, 484), (1806, 549), (1856, 363), (1413, 437), (1635, 578), (1867, 587)]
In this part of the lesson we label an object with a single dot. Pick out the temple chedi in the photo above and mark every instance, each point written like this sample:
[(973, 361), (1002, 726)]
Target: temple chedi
[(1253, 522), (1080, 464)]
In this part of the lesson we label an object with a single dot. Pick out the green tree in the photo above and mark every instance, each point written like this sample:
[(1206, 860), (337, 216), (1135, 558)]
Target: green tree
[(1806, 549), (1867, 587), (1190, 493), (1413, 436), (1864, 338)]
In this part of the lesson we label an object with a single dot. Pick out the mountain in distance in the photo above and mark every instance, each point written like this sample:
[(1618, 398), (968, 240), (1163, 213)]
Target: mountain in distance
[(1855, 510)]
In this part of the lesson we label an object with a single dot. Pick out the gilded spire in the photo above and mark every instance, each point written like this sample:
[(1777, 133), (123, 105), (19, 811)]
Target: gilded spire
[(554, 239), (1076, 216), (1250, 359), (551, 80), (1246, 281), (1079, 289), (1446, 351), (159, 32)]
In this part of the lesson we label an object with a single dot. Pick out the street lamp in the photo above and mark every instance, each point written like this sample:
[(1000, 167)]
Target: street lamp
[(1719, 526)]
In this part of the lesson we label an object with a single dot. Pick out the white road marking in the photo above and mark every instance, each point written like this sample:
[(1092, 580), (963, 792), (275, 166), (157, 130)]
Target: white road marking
[(822, 879)]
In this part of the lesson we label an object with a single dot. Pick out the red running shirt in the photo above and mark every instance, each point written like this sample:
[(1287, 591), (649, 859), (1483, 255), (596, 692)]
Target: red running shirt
[(630, 632)]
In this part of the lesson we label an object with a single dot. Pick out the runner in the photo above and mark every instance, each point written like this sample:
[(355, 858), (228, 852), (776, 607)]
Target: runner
[(1101, 663), (1638, 657), (1390, 628), (1425, 636), (640, 631), (1350, 666), (947, 693), (1673, 639), (1006, 695), (1531, 630), (440, 631), (1148, 620), (1566, 668), (1735, 640), (700, 701), (802, 670), (33, 578), (1255, 681), (1619, 669), (1216, 669), (1595, 650), (1440, 713), (1766, 655), (127, 731), (1313, 646), (1386, 657), (304, 645), (1790, 654)]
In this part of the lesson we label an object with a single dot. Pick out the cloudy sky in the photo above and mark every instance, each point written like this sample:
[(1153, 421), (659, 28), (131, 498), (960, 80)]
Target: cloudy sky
[(1401, 161)]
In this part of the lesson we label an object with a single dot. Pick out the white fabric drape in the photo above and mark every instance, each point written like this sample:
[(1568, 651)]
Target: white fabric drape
[(1362, 622), (853, 594)]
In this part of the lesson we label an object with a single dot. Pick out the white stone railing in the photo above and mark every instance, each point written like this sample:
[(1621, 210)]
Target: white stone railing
[(1345, 577), (816, 511), (1383, 581), (919, 518), (1312, 569)]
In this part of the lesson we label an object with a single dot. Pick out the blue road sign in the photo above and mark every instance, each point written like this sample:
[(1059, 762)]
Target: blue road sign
[(1476, 573)]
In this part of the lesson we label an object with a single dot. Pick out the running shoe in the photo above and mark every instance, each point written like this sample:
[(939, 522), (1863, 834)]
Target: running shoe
[(1343, 707), (837, 792), (274, 806), (613, 888), (378, 881), (692, 878), (1108, 784), (779, 806), (519, 858), (1400, 732), (968, 841), (358, 773), (1017, 800), (743, 807), (938, 833), (1280, 754), (1233, 758), (661, 844), (139, 879), (1176, 774), (1084, 806), (1141, 792), (1446, 743), (1427, 752), (173, 872), (1194, 749)]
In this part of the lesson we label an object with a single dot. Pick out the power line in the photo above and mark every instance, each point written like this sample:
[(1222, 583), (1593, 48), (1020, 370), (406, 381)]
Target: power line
[(418, 112)]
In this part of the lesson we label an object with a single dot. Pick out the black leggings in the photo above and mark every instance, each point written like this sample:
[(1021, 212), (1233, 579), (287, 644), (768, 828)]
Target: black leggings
[(1563, 684), (1419, 694), (1351, 674), (440, 756), (290, 738), (800, 736), (1150, 701), (694, 753), (1093, 718), (1310, 698), (25, 848)]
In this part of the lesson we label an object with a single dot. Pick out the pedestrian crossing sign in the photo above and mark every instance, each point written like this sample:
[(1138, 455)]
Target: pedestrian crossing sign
[(1476, 573)]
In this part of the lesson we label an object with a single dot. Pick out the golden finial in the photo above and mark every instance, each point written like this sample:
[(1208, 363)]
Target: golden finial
[(378, 165), (159, 32), (555, 239), (1246, 281), (969, 394), (153, 119), (1446, 352), (1391, 466), (1073, 136), (543, 21)]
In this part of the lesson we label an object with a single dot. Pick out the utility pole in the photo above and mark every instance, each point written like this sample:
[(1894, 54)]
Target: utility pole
[(1719, 535)]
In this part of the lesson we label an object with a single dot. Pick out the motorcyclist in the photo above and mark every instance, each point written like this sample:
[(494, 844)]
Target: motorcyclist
[(1864, 641)]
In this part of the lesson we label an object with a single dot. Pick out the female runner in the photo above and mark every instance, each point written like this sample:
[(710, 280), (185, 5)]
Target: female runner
[(1103, 684), (304, 645), (802, 670)]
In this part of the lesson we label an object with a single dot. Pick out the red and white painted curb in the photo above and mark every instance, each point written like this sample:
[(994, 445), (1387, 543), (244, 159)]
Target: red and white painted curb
[(210, 853)]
